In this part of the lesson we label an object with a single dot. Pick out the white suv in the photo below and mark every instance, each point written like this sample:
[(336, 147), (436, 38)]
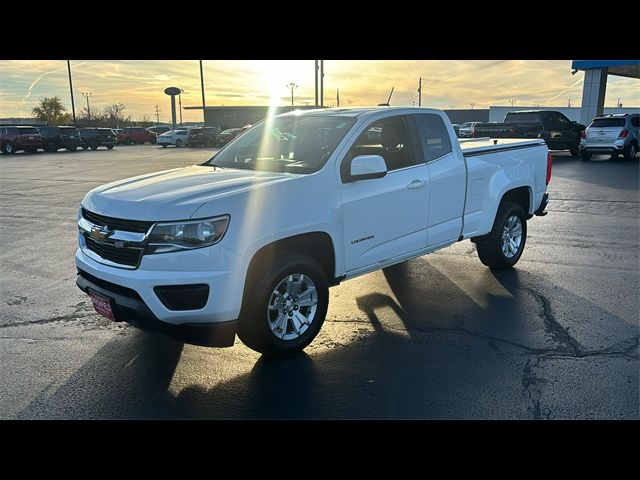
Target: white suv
[(612, 134)]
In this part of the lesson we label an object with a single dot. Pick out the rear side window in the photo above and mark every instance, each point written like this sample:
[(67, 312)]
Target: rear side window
[(434, 136), (635, 121), (608, 122), (522, 118)]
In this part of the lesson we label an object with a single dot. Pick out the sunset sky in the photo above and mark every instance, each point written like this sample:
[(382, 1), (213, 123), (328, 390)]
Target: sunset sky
[(139, 84)]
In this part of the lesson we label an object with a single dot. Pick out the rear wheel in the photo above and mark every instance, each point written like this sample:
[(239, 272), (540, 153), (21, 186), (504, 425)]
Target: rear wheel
[(71, 149), (109, 147), (584, 155), (94, 147), (630, 151), (284, 306), (8, 148), (575, 151), (52, 147), (503, 246), (164, 145), (84, 147), (178, 143)]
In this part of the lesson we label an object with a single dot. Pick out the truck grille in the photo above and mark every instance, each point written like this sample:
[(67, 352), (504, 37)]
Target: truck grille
[(139, 226), (124, 256)]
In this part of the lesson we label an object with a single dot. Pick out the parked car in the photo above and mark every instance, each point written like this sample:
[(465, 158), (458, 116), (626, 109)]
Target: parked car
[(250, 241), (456, 128), (14, 139), (553, 127), (177, 138), (136, 135), (466, 130), (97, 137), (612, 134), (226, 136), (159, 130), (55, 138), (205, 136)]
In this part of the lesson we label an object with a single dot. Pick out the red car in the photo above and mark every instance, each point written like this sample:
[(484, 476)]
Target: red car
[(13, 139), (133, 135)]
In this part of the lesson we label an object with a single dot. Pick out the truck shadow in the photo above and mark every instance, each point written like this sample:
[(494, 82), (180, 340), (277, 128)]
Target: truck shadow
[(422, 349)]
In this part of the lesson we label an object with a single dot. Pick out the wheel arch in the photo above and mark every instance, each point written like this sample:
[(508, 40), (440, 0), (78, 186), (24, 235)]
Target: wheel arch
[(520, 195)]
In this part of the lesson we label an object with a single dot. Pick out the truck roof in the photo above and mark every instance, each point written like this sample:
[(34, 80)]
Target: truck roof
[(358, 111)]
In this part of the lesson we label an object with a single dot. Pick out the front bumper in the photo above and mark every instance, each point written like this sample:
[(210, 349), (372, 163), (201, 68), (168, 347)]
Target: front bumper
[(129, 307)]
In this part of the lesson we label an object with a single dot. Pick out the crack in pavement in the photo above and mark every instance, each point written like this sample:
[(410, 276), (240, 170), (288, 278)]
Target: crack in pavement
[(64, 318)]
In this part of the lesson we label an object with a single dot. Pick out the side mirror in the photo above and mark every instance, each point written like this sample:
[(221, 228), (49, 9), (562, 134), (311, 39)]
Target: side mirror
[(365, 167)]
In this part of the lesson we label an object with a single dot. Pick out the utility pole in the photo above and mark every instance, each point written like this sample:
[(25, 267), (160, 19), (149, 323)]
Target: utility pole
[(157, 115), (87, 95), (292, 86), (569, 102), (73, 105), (338, 98), (322, 83), (204, 115), (316, 80), (420, 92), (472, 105), (180, 105), (512, 101)]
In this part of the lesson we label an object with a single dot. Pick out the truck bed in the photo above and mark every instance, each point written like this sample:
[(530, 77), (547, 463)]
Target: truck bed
[(481, 146)]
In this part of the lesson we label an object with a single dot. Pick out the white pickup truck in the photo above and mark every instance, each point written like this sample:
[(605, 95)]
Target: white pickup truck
[(250, 241)]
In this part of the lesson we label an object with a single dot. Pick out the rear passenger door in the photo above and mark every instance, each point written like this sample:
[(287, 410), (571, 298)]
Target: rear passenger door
[(386, 217), (447, 174)]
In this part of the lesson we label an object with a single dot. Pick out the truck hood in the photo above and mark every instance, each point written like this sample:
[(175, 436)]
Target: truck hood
[(174, 194)]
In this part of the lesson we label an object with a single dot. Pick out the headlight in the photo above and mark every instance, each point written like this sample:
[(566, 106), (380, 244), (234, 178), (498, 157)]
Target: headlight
[(177, 236)]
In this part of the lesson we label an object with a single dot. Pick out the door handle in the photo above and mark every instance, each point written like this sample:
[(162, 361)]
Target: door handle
[(416, 184)]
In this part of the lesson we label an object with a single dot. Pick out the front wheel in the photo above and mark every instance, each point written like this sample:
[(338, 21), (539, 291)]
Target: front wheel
[(71, 149), (178, 143), (584, 155), (502, 247), (164, 145), (284, 306), (110, 147), (575, 151), (94, 147), (8, 148)]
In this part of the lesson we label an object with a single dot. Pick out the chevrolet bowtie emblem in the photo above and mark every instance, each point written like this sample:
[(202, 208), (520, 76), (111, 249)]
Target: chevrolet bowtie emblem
[(100, 233)]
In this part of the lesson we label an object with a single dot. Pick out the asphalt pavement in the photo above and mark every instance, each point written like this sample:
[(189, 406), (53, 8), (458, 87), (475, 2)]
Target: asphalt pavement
[(440, 336)]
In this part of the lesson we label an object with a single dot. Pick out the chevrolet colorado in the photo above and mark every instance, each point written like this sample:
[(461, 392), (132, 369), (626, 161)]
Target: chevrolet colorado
[(250, 241)]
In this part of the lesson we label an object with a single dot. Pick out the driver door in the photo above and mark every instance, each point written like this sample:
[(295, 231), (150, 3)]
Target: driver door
[(385, 217)]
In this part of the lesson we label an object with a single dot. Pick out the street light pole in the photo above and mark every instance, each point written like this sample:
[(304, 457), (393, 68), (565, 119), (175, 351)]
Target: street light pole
[(292, 86), (420, 92), (316, 80), (73, 105), (180, 105), (87, 95), (322, 83), (204, 116)]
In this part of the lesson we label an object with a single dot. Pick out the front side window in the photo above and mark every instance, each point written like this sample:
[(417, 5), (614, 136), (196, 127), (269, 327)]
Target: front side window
[(293, 144), (390, 139)]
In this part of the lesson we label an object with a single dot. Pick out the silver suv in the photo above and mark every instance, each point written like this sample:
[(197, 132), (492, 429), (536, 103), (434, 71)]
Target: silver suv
[(613, 134)]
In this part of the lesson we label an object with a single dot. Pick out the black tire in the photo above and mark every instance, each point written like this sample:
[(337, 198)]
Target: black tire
[(84, 147), (32, 150), (575, 151), (110, 147), (8, 148), (72, 149), (178, 143), (253, 323), (164, 145), (490, 246), (94, 147), (584, 155), (52, 147), (152, 142), (630, 151)]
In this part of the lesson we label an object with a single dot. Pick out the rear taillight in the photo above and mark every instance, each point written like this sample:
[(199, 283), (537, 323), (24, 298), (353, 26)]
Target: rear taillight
[(623, 134), (583, 135), (549, 162)]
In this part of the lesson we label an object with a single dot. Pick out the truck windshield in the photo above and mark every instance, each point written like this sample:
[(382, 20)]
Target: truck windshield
[(293, 144)]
